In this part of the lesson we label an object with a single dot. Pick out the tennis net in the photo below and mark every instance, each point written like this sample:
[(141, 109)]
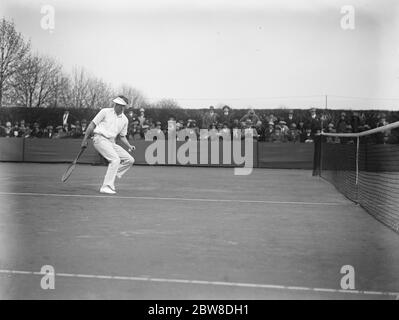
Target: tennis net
[(365, 168)]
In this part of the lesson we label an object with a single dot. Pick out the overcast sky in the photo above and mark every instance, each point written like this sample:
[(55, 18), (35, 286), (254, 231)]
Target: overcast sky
[(243, 53)]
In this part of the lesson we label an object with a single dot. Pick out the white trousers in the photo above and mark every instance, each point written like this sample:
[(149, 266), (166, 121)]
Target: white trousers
[(119, 159)]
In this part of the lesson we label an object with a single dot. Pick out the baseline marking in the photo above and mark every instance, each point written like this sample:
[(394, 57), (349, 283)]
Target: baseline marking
[(171, 198), (204, 282)]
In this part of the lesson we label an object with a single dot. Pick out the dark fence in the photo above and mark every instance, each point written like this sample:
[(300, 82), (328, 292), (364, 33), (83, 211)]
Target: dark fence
[(264, 155)]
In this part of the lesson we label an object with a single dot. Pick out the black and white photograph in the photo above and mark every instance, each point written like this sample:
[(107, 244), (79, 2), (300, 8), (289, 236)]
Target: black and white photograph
[(212, 152)]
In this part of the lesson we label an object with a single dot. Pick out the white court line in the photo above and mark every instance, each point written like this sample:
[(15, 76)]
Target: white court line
[(204, 282), (171, 198)]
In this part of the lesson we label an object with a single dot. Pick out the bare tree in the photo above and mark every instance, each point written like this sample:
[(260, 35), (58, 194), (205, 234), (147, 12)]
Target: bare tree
[(13, 49), (99, 94), (135, 96), (167, 104), (35, 82), (79, 88)]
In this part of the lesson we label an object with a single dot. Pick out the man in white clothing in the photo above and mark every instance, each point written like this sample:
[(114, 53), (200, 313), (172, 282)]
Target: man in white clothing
[(106, 126)]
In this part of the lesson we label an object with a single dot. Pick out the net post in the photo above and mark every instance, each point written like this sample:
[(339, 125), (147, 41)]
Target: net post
[(357, 160)]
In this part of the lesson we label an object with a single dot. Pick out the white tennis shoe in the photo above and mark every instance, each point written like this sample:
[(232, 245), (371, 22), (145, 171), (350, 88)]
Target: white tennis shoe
[(107, 189)]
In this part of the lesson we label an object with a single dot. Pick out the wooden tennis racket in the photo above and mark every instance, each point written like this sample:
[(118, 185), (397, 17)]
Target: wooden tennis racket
[(71, 167)]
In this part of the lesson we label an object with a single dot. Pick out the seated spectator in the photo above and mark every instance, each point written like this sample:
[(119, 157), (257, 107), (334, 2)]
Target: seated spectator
[(22, 129), (383, 120), (15, 130), (301, 127), (192, 126), (346, 140), (144, 130), (277, 136), (393, 137), (78, 130), (209, 118), (49, 133), (283, 126), (250, 125), (61, 133), (130, 116), (236, 124), (331, 129), (75, 132), (179, 125), (28, 130), (135, 131), (213, 132), (225, 130), (293, 134), (268, 132), (307, 136)]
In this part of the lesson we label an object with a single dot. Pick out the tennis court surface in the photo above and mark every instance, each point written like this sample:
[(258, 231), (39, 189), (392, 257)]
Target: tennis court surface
[(188, 233)]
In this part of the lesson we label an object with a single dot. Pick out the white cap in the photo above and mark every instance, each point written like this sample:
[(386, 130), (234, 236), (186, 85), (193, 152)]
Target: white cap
[(119, 100)]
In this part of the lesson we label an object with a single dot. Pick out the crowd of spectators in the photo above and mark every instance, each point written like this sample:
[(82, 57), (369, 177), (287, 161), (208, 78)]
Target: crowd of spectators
[(265, 127)]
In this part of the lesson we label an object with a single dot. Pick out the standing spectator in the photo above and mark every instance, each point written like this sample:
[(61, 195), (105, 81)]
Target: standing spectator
[(209, 118), (8, 130), (251, 115), (2, 130), (356, 122), (142, 117), (290, 119), (301, 127), (383, 137), (315, 122), (271, 118), (226, 116), (341, 124), (84, 126), (130, 116)]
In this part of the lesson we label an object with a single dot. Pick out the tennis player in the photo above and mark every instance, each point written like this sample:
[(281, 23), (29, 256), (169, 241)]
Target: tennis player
[(106, 126)]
